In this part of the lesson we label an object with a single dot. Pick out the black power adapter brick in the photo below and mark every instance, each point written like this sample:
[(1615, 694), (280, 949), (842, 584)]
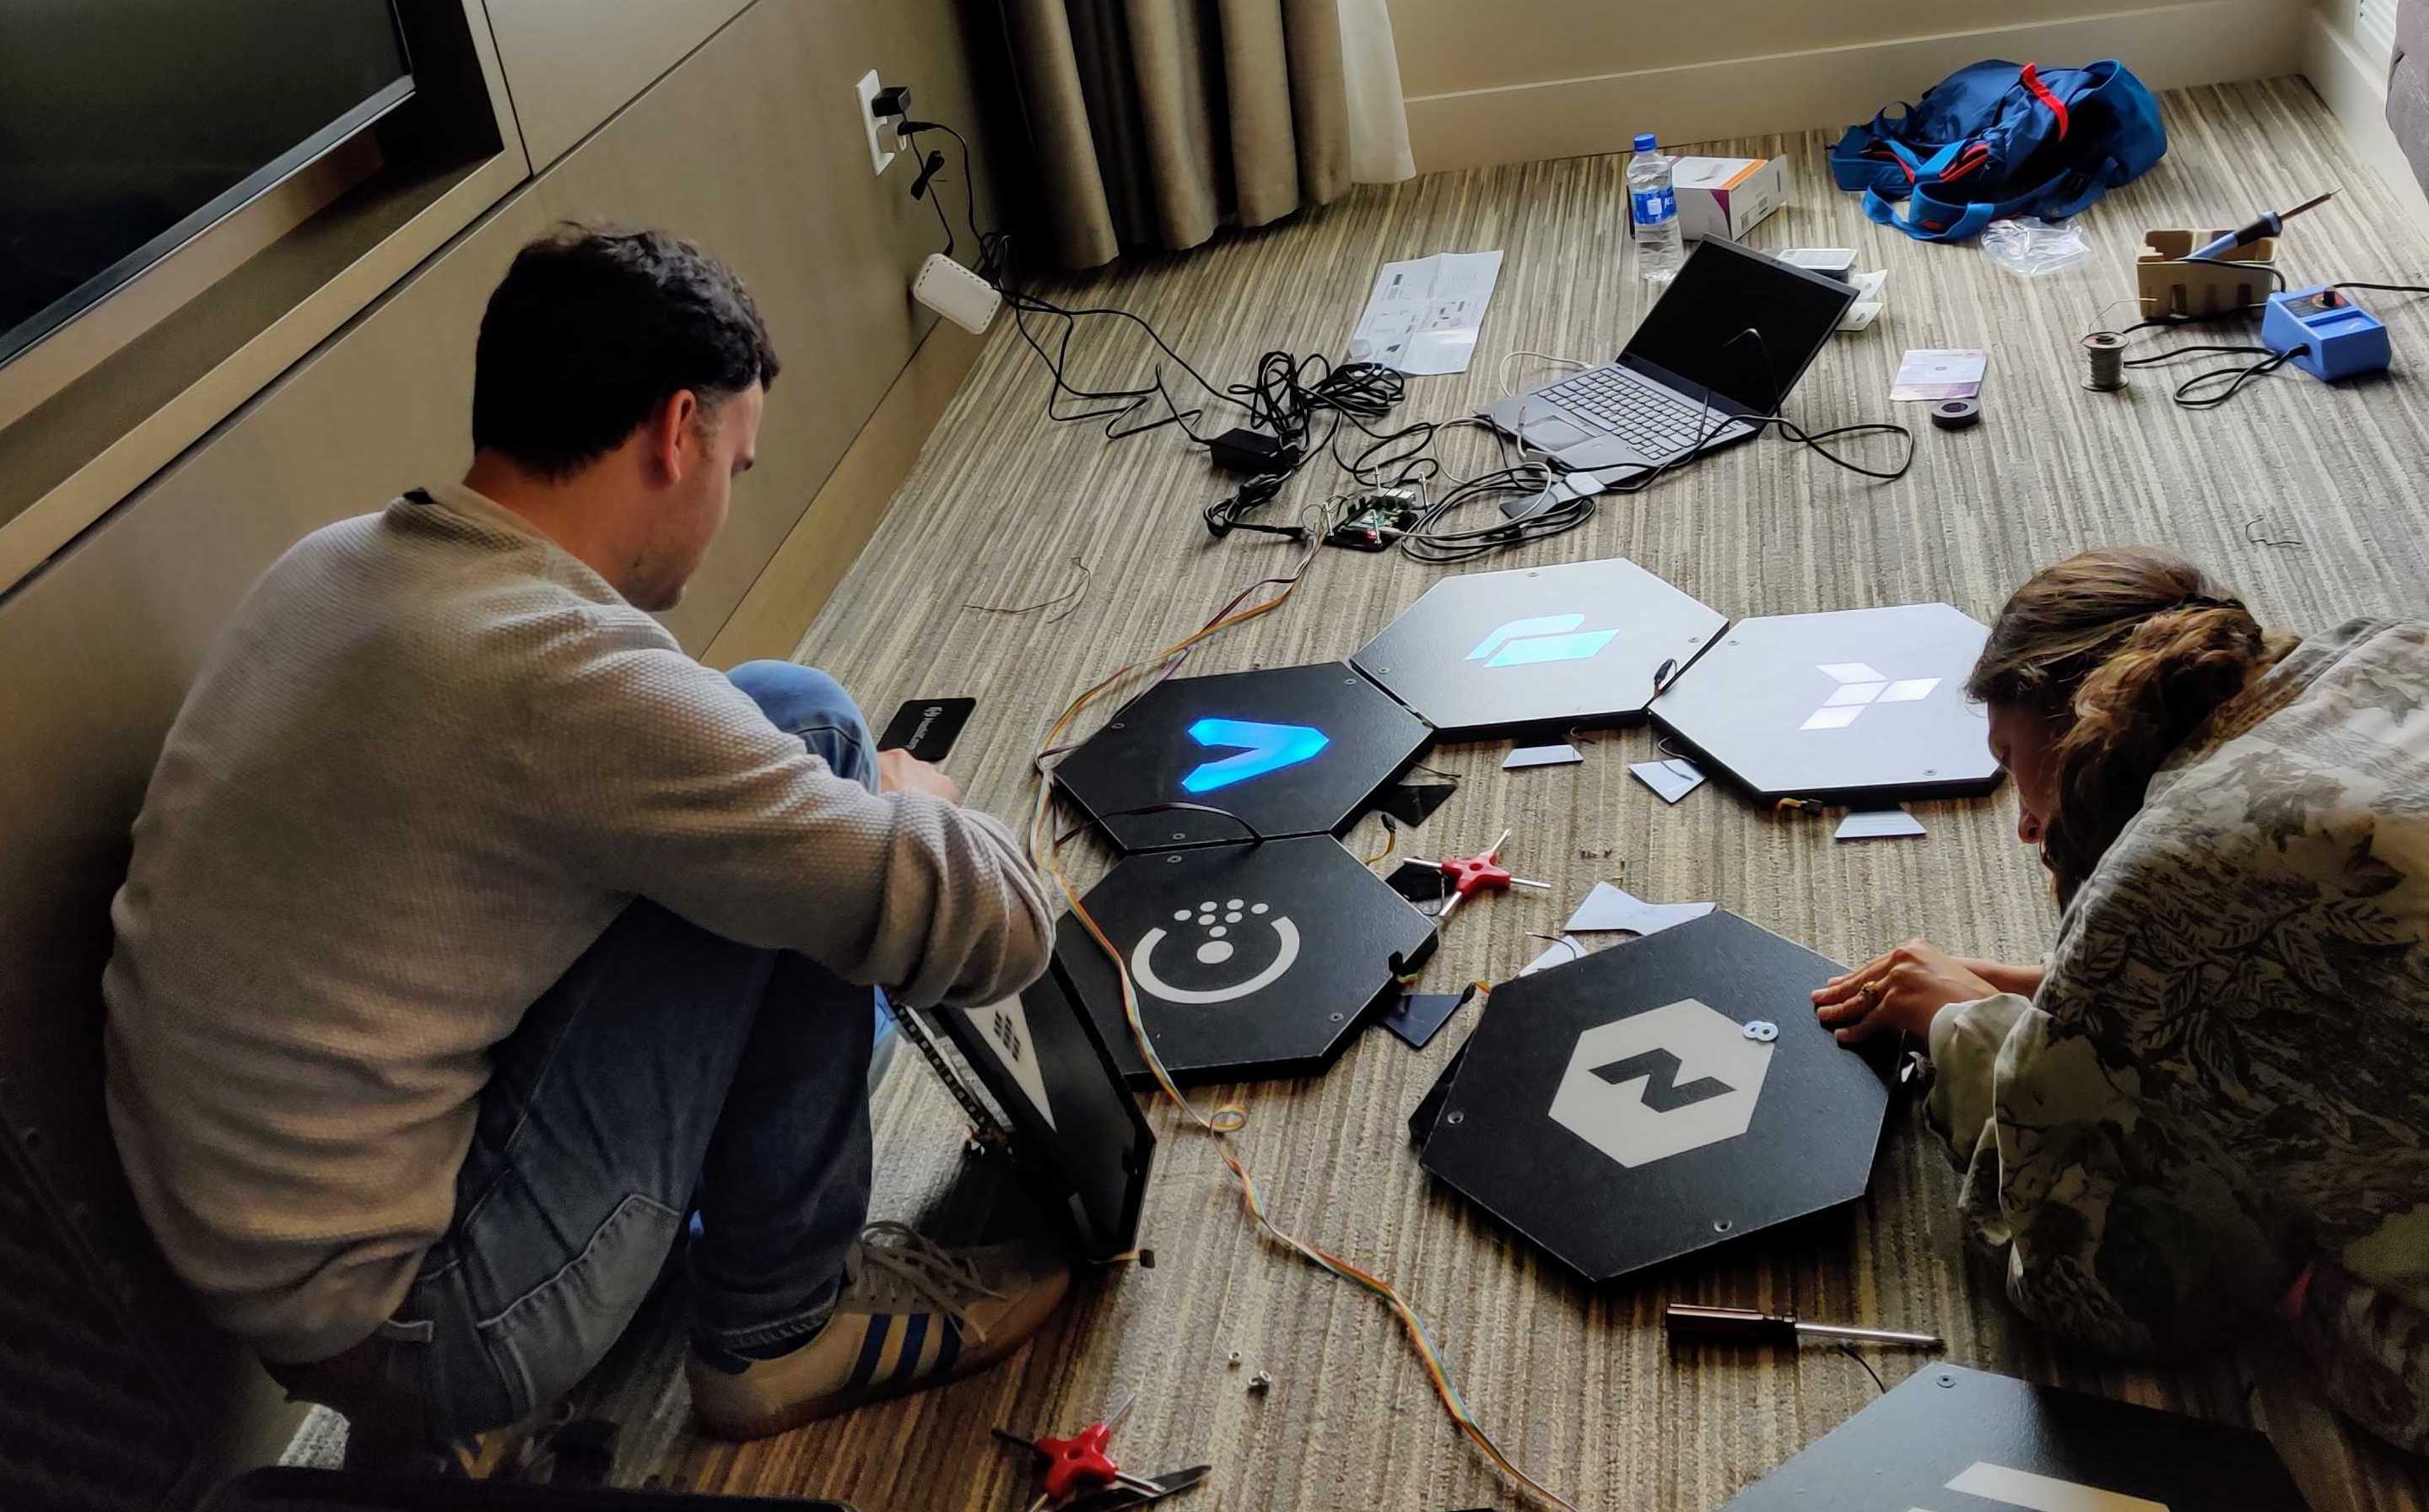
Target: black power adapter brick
[(1253, 452)]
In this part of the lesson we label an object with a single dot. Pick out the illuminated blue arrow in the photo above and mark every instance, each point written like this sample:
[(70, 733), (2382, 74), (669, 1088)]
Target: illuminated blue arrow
[(1545, 639), (1267, 748)]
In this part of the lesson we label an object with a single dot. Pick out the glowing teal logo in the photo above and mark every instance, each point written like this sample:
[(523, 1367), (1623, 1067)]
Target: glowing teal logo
[(1265, 748), (1551, 637)]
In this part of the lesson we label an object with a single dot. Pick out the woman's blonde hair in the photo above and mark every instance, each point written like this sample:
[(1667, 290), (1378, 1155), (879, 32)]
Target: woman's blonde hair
[(2126, 652)]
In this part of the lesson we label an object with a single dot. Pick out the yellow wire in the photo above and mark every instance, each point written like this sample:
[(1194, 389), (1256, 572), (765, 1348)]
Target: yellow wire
[(1230, 1118), (1391, 843)]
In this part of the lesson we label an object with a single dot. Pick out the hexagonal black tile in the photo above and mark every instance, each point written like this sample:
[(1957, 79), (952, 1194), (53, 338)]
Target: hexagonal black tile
[(1248, 961), (1658, 1097), (1487, 654), (1952, 1438), (1289, 750), (1858, 706), (1078, 1132)]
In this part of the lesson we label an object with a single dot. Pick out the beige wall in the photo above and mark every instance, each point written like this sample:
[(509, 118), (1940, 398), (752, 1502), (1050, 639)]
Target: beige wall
[(750, 144), (2350, 73), (1458, 45), (1527, 79)]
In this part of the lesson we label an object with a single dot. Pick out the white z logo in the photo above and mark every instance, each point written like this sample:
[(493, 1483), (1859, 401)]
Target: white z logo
[(2043, 1494)]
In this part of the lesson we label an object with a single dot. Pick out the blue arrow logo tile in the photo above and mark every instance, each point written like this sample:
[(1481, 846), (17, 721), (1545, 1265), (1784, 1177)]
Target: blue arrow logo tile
[(1264, 748)]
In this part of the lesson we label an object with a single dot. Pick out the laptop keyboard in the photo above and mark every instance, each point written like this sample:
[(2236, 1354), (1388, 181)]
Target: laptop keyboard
[(1657, 421)]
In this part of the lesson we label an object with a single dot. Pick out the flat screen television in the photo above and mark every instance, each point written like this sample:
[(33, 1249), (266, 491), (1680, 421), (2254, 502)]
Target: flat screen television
[(130, 126)]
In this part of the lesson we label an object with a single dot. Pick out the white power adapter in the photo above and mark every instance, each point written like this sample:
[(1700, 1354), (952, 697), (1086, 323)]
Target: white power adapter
[(956, 293)]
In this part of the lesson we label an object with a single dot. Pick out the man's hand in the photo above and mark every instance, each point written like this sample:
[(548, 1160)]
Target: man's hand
[(1901, 991), (900, 771)]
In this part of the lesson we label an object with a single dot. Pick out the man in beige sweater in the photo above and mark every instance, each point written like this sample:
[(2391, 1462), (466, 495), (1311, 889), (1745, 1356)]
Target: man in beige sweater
[(477, 940)]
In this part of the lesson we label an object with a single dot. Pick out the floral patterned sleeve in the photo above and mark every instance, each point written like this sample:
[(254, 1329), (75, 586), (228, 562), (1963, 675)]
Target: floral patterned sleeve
[(2113, 1237), (1965, 1040), (2222, 1084)]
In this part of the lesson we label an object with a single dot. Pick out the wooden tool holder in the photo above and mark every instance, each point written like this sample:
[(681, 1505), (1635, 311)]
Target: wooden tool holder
[(2172, 286)]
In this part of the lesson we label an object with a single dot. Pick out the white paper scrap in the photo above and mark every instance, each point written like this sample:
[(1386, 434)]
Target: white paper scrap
[(1877, 824), (1610, 907), (1869, 303), (1672, 779), (1424, 315)]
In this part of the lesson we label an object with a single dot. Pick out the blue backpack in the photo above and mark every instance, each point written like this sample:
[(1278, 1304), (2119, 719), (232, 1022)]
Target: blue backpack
[(1998, 139)]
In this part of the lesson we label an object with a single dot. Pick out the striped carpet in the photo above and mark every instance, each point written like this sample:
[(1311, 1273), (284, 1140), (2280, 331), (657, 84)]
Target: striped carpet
[(1006, 510)]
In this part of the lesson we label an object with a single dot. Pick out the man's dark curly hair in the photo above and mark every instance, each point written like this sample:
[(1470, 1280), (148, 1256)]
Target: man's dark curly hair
[(593, 329)]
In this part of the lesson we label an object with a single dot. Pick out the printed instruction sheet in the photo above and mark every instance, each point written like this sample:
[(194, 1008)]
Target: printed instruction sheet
[(1939, 373), (1424, 315)]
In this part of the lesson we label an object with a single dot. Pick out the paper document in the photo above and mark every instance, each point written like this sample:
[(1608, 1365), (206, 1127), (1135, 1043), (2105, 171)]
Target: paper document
[(1424, 315), (1939, 373)]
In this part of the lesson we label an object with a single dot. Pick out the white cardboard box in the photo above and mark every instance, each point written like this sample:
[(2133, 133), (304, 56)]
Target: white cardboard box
[(1727, 196)]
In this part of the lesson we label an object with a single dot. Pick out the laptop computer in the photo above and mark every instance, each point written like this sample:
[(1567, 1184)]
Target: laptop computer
[(1691, 374)]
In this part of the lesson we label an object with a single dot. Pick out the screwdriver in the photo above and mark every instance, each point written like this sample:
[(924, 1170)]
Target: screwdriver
[(1745, 1326), (2269, 225)]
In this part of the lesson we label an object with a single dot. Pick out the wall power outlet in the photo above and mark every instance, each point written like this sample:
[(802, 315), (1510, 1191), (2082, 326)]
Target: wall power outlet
[(881, 131)]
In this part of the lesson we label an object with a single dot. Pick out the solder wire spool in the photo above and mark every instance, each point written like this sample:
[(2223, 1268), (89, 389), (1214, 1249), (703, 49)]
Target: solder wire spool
[(2107, 352)]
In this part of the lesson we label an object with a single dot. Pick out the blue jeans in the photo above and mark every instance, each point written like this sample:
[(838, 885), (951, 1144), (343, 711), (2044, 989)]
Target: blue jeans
[(668, 1069)]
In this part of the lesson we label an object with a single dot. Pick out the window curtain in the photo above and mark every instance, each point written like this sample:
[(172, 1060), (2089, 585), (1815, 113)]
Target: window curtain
[(1156, 122)]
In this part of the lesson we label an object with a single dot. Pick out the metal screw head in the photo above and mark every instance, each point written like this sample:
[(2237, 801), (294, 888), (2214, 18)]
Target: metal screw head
[(1946, 1380), (1454, 1118), (1931, 771), (1172, 860), (1232, 1360), (1337, 1018), (1179, 835), (1762, 1031), (1115, 726), (1722, 1225), (1260, 1383)]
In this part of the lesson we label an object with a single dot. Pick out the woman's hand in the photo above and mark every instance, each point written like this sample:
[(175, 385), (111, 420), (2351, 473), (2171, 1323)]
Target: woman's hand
[(1901, 991), (2023, 981)]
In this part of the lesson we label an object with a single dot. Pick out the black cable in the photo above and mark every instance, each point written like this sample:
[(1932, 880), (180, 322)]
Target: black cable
[(1284, 403), (1788, 429), (2162, 359), (2186, 394), (2269, 268), (1282, 399), (1426, 542), (1878, 1384), (994, 263), (2240, 376)]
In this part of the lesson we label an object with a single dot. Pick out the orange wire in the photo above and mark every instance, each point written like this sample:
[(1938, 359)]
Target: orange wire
[(1228, 1118)]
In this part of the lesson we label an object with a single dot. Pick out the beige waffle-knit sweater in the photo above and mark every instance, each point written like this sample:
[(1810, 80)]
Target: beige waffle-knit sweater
[(428, 761)]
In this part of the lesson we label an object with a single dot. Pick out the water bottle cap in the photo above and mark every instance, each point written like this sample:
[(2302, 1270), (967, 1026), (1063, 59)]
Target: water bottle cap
[(1644, 141)]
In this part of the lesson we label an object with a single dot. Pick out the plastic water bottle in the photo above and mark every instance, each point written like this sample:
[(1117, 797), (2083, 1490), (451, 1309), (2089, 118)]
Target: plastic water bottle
[(1653, 205)]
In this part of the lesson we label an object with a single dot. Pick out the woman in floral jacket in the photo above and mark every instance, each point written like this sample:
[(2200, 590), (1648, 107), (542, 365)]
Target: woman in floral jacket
[(2214, 1099)]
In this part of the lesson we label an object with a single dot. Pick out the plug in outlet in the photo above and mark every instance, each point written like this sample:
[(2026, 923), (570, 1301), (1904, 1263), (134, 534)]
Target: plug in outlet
[(882, 139)]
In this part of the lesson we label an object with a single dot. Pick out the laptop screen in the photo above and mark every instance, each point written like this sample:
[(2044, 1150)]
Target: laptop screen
[(1695, 330)]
